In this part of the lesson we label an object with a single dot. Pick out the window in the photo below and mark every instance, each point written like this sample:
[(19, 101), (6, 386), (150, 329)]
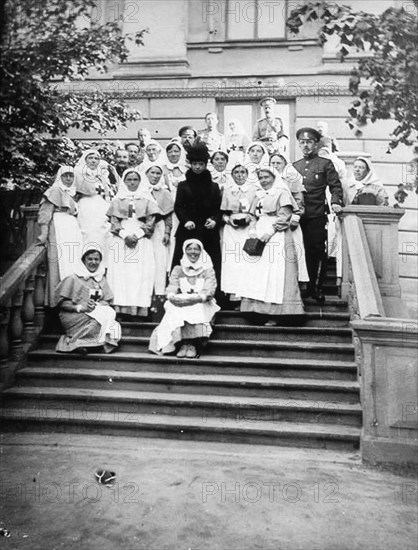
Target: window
[(248, 112), (255, 19)]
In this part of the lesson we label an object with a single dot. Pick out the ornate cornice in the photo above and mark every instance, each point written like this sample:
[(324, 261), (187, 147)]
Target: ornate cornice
[(290, 91)]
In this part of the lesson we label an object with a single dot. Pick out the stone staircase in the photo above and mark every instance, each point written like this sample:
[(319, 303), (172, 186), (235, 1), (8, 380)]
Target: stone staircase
[(288, 385)]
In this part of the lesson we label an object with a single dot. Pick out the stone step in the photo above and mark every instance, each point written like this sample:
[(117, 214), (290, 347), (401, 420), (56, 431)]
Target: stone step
[(246, 332), (317, 317), (174, 382), (329, 287), (332, 303), (260, 333), (93, 402), (216, 364), (289, 434), (247, 348)]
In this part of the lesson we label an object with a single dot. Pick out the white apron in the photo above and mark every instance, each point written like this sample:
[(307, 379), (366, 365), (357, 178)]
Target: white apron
[(233, 260), (297, 234), (161, 254), (131, 271), (263, 277), (69, 243), (175, 317), (106, 317), (94, 224)]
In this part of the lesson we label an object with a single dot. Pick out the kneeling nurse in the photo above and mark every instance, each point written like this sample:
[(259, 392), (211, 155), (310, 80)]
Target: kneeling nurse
[(84, 300)]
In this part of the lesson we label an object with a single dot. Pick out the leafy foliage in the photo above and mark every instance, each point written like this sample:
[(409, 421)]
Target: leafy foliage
[(384, 79), (46, 43)]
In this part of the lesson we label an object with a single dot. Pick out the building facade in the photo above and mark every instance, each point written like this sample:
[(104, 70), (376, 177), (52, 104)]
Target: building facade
[(201, 56)]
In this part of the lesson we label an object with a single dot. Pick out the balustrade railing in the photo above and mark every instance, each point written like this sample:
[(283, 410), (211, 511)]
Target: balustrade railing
[(22, 296)]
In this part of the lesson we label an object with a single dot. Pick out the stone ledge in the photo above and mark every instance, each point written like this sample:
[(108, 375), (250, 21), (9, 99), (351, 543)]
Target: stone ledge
[(381, 451)]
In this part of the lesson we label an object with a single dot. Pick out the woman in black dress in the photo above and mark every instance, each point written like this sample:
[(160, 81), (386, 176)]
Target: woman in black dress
[(197, 207)]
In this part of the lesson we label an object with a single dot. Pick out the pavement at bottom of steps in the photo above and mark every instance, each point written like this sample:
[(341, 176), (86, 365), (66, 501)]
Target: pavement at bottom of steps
[(189, 494)]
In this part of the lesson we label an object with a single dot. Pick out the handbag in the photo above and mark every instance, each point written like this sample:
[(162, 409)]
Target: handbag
[(254, 246)]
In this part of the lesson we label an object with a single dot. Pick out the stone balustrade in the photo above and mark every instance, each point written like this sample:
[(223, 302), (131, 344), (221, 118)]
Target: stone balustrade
[(22, 296), (386, 343)]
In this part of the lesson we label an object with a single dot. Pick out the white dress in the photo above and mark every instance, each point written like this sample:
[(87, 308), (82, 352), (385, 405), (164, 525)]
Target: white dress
[(161, 257), (96, 194), (263, 276), (236, 200), (68, 242), (131, 271), (185, 322), (174, 174), (57, 212)]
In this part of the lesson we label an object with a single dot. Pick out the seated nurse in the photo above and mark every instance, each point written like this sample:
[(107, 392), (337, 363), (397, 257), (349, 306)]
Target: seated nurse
[(190, 304), (84, 300)]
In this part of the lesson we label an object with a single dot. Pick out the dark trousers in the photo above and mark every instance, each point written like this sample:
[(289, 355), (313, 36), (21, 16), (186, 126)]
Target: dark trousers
[(315, 241)]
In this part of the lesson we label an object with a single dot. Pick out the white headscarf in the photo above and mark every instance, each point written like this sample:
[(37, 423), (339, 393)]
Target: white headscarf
[(234, 187), (265, 156), (251, 166), (239, 128), (82, 160), (351, 186), (202, 263), (289, 175), (81, 270), (161, 184), (371, 176), (123, 191), (181, 164), (100, 172), (338, 163), (71, 190), (278, 183)]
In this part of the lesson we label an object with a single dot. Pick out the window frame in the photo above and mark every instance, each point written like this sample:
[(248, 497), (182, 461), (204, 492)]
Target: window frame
[(255, 36), (291, 103)]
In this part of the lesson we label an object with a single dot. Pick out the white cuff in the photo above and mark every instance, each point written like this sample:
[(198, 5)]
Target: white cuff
[(123, 233), (78, 308), (295, 218)]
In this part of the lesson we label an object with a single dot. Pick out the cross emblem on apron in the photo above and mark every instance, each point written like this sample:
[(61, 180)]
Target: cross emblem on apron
[(100, 189), (259, 209), (131, 209), (95, 294)]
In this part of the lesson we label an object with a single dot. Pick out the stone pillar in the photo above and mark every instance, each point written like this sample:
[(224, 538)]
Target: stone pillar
[(389, 387), (32, 227), (381, 228)]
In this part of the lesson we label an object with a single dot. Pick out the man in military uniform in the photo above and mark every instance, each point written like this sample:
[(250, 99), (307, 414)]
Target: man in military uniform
[(318, 173), (269, 123)]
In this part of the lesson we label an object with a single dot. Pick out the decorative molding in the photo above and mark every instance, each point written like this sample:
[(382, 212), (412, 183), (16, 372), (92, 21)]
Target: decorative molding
[(229, 44), (221, 91), (153, 68)]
